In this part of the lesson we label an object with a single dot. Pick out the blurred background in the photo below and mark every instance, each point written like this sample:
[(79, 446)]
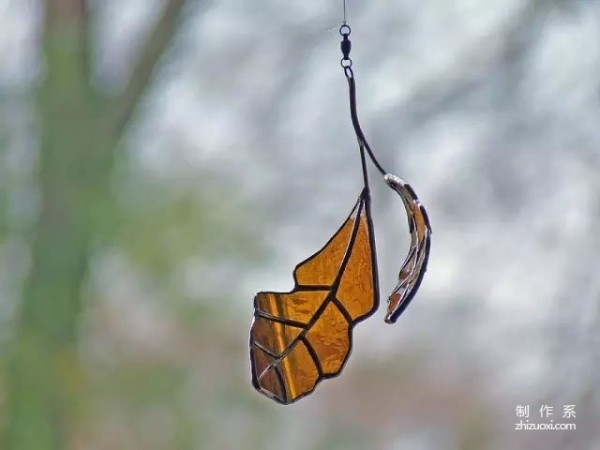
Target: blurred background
[(161, 161)]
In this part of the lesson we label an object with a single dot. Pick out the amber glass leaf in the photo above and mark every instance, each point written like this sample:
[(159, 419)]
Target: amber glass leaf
[(415, 264), (303, 336)]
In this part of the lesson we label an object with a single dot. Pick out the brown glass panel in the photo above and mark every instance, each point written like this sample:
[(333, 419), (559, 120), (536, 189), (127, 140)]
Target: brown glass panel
[(299, 371), (269, 382), (355, 291), (329, 338), (273, 336), (297, 306), (322, 268)]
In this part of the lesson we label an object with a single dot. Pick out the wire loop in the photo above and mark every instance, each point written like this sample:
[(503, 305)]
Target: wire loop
[(345, 30)]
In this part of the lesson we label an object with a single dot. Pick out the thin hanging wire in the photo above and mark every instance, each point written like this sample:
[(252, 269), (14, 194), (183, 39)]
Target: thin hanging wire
[(346, 63)]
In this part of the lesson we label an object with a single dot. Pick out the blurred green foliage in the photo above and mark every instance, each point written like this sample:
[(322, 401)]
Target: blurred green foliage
[(56, 398)]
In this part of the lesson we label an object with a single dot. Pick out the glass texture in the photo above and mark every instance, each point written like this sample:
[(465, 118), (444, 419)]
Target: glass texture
[(301, 337), (414, 266)]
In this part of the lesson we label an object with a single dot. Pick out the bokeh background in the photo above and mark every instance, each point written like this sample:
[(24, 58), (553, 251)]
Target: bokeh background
[(163, 160)]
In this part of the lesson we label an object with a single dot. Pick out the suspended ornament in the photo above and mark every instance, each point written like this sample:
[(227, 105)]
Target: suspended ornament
[(301, 337)]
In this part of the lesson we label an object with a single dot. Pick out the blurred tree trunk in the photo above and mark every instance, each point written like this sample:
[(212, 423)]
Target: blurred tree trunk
[(79, 130)]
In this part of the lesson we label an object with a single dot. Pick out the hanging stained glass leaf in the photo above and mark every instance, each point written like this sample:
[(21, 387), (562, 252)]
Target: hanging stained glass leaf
[(301, 337), (304, 336)]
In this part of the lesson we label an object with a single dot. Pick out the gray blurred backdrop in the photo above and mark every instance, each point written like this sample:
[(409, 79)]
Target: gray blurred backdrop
[(163, 160)]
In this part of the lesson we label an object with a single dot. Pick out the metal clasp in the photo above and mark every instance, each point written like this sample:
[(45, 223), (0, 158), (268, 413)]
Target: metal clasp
[(346, 45)]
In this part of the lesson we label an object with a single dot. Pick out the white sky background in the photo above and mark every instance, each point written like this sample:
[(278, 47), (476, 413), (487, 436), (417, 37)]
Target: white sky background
[(504, 156)]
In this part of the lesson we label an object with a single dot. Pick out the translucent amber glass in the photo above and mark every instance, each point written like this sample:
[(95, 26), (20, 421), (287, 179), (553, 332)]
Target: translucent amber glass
[(299, 338)]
